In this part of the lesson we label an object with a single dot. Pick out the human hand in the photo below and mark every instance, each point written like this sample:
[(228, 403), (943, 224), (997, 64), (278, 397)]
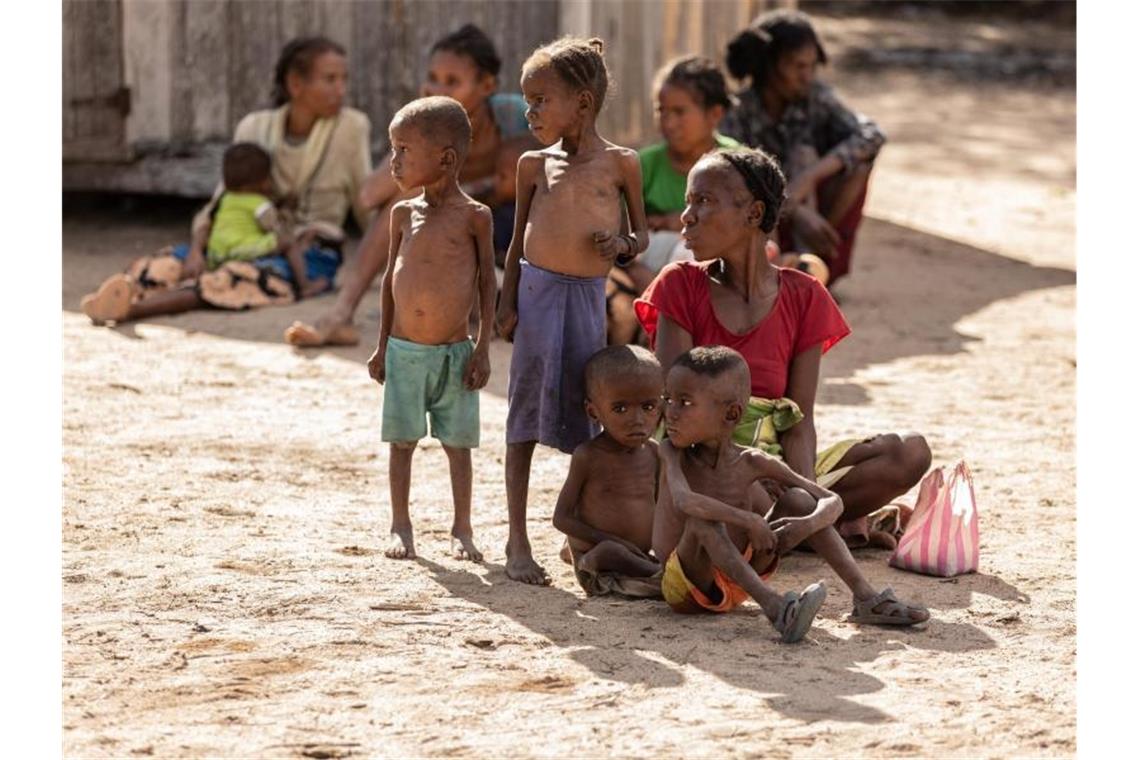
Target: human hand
[(762, 537), (376, 365), (194, 264), (819, 235), (791, 531), (478, 370), (608, 245), (506, 319), (800, 189)]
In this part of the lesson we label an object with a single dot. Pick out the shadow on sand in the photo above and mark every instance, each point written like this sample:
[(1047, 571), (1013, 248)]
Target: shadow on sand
[(644, 642)]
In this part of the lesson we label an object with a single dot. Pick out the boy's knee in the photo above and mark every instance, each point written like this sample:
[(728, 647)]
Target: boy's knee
[(404, 445), (795, 502)]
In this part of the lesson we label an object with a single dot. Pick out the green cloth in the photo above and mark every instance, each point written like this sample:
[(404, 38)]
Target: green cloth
[(763, 420), (661, 184), (237, 235), (422, 382)]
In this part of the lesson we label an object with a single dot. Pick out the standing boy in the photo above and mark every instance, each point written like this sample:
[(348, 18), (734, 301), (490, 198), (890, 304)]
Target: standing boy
[(440, 252)]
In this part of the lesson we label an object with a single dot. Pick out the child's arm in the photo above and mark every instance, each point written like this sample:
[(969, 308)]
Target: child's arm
[(507, 316), (792, 530), (387, 301), (625, 247), (267, 218), (566, 509), (704, 507), (478, 369)]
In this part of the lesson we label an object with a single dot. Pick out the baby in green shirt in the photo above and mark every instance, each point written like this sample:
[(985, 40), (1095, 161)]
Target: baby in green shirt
[(247, 225)]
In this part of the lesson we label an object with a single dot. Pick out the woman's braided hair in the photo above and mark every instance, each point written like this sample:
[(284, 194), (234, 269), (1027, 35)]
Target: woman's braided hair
[(762, 177), (297, 58), (578, 62)]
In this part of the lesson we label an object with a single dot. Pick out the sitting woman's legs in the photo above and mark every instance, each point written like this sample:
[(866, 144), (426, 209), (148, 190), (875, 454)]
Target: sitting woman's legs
[(370, 258), (883, 468)]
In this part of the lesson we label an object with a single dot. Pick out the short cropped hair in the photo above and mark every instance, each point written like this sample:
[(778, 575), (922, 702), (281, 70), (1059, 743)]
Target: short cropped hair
[(762, 176), (245, 165), (578, 62), (715, 362), (698, 76), (439, 119), (613, 361)]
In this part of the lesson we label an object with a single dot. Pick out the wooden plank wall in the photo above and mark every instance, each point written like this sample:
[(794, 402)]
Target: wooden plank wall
[(222, 52), (92, 73)]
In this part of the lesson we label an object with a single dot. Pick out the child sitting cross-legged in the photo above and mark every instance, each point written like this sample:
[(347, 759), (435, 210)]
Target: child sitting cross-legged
[(716, 526), (607, 502)]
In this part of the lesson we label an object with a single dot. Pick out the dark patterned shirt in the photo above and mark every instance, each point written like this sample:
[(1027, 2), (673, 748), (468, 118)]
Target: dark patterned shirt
[(820, 120)]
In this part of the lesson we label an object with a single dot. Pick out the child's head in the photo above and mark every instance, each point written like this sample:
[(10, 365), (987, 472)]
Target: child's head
[(246, 169), (623, 393), (430, 138), (564, 83), (731, 195), (463, 65), (691, 98), (706, 391)]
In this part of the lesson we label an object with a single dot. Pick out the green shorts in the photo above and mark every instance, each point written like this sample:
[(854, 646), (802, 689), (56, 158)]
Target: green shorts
[(427, 381)]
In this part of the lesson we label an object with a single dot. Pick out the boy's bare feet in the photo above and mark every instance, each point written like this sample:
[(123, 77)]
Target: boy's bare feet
[(111, 302), (401, 545), (301, 334), (521, 567), (463, 547)]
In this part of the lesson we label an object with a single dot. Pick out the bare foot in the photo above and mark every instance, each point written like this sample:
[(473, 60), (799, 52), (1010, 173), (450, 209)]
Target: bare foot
[(565, 554), (521, 567), (401, 545), (314, 287), (463, 547), (111, 302), (301, 334)]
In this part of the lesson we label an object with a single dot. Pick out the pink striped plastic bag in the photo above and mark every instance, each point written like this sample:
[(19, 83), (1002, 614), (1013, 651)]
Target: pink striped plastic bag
[(942, 535)]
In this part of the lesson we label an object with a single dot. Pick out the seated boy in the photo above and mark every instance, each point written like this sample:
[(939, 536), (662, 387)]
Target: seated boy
[(439, 257), (710, 523), (607, 502)]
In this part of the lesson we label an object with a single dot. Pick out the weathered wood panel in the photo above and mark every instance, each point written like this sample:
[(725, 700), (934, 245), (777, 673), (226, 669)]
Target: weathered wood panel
[(200, 65), (93, 106)]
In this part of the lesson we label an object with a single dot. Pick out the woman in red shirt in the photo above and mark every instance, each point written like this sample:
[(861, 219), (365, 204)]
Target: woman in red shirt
[(781, 320)]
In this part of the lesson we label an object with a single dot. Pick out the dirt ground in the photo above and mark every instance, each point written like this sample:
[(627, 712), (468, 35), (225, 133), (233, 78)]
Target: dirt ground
[(225, 501)]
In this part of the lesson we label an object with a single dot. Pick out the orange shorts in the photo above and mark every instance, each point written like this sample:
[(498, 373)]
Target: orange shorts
[(686, 598)]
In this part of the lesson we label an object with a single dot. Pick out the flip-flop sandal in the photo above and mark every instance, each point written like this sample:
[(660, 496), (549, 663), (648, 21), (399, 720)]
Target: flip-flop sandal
[(110, 303), (896, 613), (799, 611)]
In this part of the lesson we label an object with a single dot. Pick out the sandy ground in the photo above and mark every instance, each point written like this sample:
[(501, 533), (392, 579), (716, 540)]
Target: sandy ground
[(225, 500)]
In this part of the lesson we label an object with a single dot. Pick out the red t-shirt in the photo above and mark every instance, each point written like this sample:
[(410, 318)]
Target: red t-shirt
[(804, 315)]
